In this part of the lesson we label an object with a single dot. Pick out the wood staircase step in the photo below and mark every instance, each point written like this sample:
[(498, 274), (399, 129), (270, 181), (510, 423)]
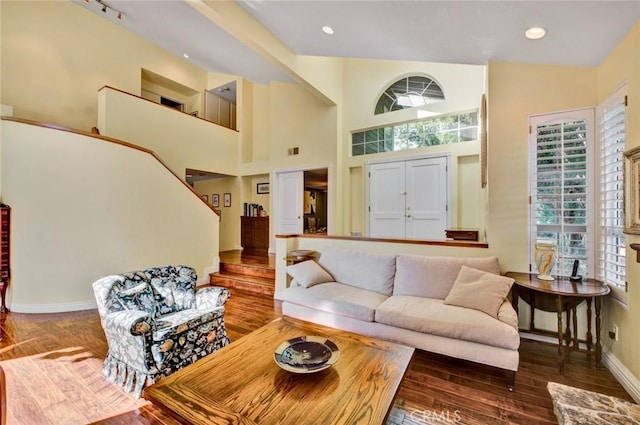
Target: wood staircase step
[(248, 270), (256, 284)]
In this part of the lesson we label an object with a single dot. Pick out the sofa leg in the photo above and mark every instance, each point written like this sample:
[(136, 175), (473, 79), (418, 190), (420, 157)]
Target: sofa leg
[(511, 380)]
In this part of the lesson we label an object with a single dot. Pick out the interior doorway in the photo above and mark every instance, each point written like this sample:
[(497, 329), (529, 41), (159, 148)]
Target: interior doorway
[(302, 201), (316, 183)]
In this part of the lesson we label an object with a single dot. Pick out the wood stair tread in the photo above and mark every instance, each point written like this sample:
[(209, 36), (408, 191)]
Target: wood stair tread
[(245, 278), (248, 270)]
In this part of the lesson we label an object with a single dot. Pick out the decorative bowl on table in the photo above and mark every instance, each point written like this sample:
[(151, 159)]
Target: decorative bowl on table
[(306, 354), (300, 253)]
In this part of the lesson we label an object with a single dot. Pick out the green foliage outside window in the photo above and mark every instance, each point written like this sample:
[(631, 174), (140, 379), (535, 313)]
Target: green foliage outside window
[(418, 134)]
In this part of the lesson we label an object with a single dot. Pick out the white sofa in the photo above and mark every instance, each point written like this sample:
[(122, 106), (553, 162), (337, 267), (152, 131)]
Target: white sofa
[(413, 300)]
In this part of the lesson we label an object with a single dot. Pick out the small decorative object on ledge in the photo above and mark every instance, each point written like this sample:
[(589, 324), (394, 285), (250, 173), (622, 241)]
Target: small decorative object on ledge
[(545, 257), (462, 234)]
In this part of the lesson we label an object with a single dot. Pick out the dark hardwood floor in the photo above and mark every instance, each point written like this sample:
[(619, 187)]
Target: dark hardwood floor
[(53, 367)]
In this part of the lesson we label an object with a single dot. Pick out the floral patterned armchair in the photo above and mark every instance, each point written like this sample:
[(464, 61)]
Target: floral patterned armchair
[(156, 323)]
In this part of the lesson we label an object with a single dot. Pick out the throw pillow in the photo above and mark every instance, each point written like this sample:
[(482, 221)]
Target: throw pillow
[(479, 290), (163, 291), (139, 297), (309, 273)]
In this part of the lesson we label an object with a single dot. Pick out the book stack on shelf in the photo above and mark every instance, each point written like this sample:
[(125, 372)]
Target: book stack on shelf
[(253, 210)]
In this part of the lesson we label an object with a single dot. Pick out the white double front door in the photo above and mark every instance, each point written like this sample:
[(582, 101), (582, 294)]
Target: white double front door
[(409, 199)]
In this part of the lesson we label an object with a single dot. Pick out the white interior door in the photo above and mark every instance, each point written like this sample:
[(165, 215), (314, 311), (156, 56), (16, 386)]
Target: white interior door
[(387, 200), (427, 190), (290, 191)]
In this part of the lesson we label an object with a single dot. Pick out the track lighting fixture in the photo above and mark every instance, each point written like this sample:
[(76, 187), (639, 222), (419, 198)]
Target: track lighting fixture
[(107, 9)]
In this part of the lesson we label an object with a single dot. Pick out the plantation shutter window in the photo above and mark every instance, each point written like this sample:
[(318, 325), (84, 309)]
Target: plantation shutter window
[(611, 267), (561, 189)]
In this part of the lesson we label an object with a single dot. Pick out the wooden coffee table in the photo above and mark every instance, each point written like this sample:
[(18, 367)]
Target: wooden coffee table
[(242, 384)]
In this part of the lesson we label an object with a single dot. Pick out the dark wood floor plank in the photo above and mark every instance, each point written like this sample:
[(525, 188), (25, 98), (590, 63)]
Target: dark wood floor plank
[(57, 358)]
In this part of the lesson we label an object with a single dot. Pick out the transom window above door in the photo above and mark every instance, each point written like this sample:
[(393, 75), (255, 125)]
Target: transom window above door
[(409, 92)]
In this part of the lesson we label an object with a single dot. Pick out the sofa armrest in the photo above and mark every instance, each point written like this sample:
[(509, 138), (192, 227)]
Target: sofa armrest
[(212, 297), (508, 315), (129, 322), (129, 336)]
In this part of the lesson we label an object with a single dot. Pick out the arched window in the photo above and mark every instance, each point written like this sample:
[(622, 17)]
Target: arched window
[(409, 92)]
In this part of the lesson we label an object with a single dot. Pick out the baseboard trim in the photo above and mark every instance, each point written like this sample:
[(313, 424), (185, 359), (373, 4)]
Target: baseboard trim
[(623, 375), (52, 308)]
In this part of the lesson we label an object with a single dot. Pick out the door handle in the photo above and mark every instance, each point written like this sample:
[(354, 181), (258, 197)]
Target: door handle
[(408, 215)]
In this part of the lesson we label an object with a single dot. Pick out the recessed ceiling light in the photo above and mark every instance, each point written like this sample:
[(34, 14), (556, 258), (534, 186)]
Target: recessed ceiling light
[(186, 55), (535, 33), (327, 30)]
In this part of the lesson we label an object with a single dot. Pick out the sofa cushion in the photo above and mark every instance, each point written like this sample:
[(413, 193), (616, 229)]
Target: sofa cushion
[(361, 269), (336, 298), (433, 277), (479, 290), (309, 273), (433, 316), (181, 321)]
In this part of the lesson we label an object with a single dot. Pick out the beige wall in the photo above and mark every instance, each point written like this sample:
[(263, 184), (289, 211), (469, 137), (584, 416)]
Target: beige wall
[(56, 56), (230, 216), (517, 91), (182, 141), (84, 208), (623, 64), (246, 118), (259, 148)]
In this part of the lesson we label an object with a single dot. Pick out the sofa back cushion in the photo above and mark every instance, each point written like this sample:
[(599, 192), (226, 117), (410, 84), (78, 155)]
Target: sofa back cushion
[(433, 277), (361, 269)]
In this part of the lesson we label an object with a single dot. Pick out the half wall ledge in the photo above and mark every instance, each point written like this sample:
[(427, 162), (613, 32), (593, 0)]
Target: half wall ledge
[(463, 244)]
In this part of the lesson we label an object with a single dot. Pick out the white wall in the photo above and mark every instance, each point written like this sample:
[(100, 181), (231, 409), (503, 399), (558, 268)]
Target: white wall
[(83, 208)]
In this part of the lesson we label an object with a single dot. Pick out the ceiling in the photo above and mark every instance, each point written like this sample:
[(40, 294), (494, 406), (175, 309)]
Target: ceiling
[(580, 33)]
